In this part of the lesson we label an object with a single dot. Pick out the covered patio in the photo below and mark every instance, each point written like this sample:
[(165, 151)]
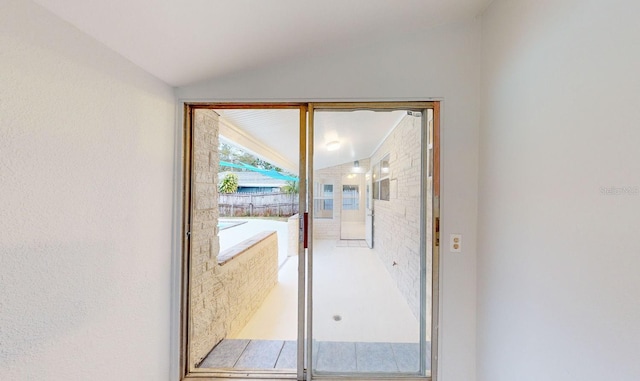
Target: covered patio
[(350, 283), (361, 323)]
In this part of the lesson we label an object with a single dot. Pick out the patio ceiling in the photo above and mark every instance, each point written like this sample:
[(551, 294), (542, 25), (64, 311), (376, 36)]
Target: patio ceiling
[(274, 134)]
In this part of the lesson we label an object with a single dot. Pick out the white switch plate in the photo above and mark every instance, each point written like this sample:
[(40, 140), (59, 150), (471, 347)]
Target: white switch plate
[(455, 243)]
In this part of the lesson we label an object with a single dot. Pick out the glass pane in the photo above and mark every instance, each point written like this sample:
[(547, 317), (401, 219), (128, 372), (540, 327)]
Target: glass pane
[(243, 274), (384, 190), (323, 200), (350, 197), (367, 299), (323, 208), (384, 167)]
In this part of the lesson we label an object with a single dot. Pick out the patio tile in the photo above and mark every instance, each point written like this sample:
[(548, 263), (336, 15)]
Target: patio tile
[(225, 354), (288, 354), (260, 354), (407, 356), (336, 357), (375, 357), (314, 349)]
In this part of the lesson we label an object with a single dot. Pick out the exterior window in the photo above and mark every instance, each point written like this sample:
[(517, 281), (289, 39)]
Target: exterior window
[(350, 197), (385, 190), (375, 173), (381, 186), (323, 200)]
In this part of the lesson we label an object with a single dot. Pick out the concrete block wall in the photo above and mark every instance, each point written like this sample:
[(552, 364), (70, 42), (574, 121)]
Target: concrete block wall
[(329, 228), (396, 222)]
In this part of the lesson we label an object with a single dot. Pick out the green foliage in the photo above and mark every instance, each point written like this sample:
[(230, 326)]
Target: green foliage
[(235, 155), (229, 183), (292, 187)]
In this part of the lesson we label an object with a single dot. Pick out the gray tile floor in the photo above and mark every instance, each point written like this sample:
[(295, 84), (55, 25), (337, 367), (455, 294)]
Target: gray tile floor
[(334, 357)]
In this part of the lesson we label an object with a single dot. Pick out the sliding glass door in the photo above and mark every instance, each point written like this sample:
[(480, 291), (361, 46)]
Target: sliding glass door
[(310, 240), (370, 261)]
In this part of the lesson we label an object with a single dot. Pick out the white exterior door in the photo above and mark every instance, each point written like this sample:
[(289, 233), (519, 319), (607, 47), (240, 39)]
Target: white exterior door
[(352, 213), (368, 219)]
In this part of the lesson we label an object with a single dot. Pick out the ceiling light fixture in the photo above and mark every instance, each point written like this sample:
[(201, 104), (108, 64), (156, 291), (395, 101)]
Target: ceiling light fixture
[(332, 146)]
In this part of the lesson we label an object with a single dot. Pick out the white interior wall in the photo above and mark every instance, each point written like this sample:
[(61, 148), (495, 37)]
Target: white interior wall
[(86, 182), (440, 63), (558, 265)]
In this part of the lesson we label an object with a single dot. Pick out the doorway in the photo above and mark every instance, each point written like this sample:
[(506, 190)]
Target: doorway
[(350, 298), (352, 215)]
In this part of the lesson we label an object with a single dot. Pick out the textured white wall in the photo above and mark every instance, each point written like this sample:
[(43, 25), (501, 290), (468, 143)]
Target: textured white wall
[(559, 283), (439, 62), (86, 161)]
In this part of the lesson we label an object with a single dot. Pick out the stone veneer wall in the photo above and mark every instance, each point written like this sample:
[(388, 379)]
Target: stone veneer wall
[(205, 244), (225, 288), (396, 237), (329, 228)]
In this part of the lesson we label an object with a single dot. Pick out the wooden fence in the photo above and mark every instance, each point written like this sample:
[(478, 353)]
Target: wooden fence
[(257, 204)]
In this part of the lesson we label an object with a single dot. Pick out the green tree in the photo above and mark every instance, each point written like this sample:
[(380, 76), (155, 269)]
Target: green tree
[(229, 183), (292, 187)]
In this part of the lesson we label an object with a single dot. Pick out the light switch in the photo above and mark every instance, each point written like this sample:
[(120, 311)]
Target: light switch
[(455, 243)]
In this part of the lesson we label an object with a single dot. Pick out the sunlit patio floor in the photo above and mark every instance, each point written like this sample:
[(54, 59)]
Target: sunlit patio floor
[(354, 300)]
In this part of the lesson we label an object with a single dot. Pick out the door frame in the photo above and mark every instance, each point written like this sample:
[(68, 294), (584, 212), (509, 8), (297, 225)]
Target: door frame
[(347, 214), (306, 161), (369, 214), (185, 370)]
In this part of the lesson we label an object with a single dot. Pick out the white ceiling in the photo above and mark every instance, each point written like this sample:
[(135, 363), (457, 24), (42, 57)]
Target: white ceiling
[(359, 133), (186, 41), (182, 42)]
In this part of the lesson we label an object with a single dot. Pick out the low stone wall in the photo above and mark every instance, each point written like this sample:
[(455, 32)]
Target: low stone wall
[(245, 275)]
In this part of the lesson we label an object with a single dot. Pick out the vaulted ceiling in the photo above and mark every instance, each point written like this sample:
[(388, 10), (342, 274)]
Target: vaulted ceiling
[(184, 42), (187, 41)]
